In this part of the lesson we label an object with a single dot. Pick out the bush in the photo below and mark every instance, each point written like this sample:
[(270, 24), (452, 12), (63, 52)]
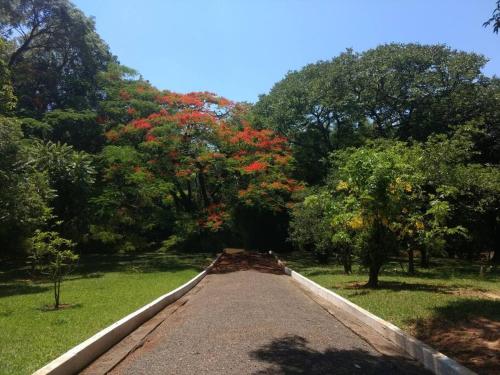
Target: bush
[(52, 256)]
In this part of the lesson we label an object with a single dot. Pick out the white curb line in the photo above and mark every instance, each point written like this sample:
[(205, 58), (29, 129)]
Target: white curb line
[(83, 354), (432, 360)]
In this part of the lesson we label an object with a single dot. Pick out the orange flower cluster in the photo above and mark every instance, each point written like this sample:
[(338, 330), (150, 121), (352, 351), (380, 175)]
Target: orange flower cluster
[(262, 139), (216, 216), (255, 166), (141, 124), (192, 117)]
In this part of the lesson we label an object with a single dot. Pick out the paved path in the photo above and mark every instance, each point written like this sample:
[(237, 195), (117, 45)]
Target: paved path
[(250, 322)]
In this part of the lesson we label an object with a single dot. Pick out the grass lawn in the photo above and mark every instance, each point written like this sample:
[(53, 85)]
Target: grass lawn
[(448, 305), (102, 290)]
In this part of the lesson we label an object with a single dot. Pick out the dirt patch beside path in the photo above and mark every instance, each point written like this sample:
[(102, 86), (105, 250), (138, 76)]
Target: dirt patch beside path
[(473, 342)]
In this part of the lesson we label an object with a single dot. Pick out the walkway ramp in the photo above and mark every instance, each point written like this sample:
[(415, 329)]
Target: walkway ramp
[(247, 317)]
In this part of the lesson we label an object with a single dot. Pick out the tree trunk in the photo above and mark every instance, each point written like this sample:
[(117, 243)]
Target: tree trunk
[(346, 262), (190, 193), (203, 188), (57, 293), (411, 262), (424, 258), (373, 278), (495, 260), (347, 268)]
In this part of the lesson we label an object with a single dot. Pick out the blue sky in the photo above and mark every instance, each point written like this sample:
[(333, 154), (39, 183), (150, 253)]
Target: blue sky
[(239, 49)]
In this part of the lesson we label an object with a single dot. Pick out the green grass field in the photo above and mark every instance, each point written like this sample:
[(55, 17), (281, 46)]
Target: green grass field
[(102, 290)]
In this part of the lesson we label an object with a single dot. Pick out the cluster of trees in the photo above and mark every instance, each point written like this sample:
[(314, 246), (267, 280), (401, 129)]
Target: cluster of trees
[(369, 154), (399, 146), (50, 61), (92, 151)]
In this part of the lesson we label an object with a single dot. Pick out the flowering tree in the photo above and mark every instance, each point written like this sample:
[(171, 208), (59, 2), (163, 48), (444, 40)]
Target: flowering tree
[(196, 154)]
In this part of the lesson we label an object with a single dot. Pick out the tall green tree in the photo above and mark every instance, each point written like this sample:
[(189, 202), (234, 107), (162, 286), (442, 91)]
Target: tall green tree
[(53, 53), (376, 205), (412, 90), (198, 158), (317, 109), (398, 91), (25, 191)]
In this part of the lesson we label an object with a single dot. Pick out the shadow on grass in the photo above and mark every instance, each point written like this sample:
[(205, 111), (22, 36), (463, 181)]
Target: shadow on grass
[(323, 272), (444, 269), (466, 329), (11, 271), (292, 355), (141, 262), (20, 288), (398, 286), (13, 277), (395, 286), (441, 268)]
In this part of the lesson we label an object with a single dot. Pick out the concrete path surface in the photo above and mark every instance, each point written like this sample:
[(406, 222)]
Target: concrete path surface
[(247, 322)]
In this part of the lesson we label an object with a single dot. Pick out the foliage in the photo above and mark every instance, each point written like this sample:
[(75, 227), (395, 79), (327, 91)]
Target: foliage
[(71, 175), (473, 189), (495, 18), (54, 54), (53, 257), (24, 190), (378, 204), (198, 157), (310, 227), (39, 182), (75, 128), (413, 90), (316, 108), (7, 98), (395, 90), (125, 95)]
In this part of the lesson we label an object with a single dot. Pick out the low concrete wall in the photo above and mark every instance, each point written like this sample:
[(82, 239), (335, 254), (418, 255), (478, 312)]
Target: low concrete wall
[(433, 360), (77, 358)]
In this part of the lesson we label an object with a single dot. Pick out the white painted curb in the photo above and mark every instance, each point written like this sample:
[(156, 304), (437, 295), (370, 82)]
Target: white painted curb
[(432, 360), (77, 358)]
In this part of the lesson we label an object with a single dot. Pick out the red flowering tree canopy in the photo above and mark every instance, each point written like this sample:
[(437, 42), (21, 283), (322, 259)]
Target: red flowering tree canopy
[(212, 158)]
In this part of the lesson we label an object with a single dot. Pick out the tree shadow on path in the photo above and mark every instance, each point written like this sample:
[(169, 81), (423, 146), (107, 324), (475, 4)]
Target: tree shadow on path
[(291, 355)]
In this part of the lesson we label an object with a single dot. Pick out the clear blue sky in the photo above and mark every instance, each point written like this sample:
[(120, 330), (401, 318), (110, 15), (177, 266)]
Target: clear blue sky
[(239, 49)]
